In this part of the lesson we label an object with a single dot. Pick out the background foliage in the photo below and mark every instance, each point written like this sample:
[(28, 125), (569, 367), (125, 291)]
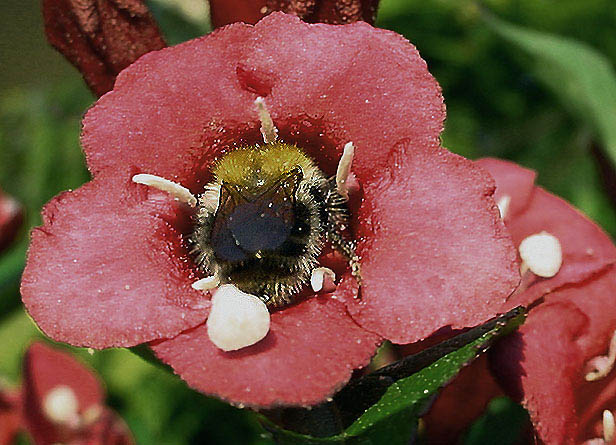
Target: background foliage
[(505, 91)]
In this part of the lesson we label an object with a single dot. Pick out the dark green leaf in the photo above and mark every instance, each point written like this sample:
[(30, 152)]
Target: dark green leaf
[(397, 395), (579, 75), (504, 422)]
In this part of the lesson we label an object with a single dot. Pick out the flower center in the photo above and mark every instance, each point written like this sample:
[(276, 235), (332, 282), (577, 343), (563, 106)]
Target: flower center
[(259, 229), (275, 208)]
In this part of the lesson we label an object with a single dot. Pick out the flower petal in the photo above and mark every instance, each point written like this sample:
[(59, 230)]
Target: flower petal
[(225, 12), (310, 351), (545, 364), (541, 364), (45, 369), (460, 403), (10, 416), (514, 181), (173, 111), (586, 249), (108, 267), (433, 249)]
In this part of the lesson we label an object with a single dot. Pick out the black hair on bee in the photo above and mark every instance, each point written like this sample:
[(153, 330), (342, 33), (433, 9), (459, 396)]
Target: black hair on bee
[(262, 222)]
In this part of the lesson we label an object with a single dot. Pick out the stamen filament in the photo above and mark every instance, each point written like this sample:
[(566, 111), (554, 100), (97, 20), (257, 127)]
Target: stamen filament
[(609, 426), (268, 129), (179, 192), (503, 205), (602, 365), (344, 169)]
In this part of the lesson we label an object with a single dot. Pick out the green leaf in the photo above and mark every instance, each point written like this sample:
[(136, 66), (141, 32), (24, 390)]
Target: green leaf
[(580, 76), (504, 422), (406, 391)]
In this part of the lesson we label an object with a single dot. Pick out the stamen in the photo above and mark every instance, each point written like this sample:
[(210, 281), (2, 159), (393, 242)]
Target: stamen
[(173, 188), (600, 366), (237, 319), (503, 205), (207, 283), (92, 414), (61, 406), (609, 426), (542, 254), (322, 279), (268, 129), (343, 172)]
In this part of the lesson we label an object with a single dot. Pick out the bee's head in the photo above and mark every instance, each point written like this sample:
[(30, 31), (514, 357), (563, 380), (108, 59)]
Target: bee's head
[(257, 207)]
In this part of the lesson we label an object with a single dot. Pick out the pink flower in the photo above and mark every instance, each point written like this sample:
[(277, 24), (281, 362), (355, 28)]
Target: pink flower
[(11, 218), (559, 363), (224, 12), (111, 264), (10, 416), (61, 401)]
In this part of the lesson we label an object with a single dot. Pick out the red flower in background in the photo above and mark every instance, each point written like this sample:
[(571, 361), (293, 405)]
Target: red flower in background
[(110, 265), (559, 362), (11, 218), (61, 401), (224, 12), (101, 37), (10, 416)]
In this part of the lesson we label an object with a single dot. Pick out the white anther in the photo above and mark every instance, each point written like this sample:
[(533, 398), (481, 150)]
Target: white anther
[(173, 188), (322, 279), (207, 283), (268, 129), (92, 414), (344, 169), (609, 426), (210, 198), (600, 366), (9, 206), (237, 319), (61, 406), (503, 205), (542, 254)]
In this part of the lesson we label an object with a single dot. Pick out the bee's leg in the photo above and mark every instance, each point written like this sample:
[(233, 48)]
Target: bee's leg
[(337, 220), (347, 248)]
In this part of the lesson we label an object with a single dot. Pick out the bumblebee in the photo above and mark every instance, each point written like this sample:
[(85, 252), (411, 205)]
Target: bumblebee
[(262, 222)]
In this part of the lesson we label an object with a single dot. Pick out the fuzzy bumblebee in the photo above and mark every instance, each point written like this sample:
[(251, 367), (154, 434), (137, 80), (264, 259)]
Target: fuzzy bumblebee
[(262, 222)]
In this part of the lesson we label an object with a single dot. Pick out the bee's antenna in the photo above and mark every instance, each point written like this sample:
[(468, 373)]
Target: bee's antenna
[(268, 129)]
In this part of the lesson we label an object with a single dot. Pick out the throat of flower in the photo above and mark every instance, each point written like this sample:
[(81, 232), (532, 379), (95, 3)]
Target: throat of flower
[(259, 228)]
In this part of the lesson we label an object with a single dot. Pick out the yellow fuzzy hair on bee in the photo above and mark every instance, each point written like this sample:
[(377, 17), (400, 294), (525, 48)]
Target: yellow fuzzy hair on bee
[(261, 166)]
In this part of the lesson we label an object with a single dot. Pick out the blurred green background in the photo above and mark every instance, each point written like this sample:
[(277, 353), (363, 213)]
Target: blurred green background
[(505, 96)]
